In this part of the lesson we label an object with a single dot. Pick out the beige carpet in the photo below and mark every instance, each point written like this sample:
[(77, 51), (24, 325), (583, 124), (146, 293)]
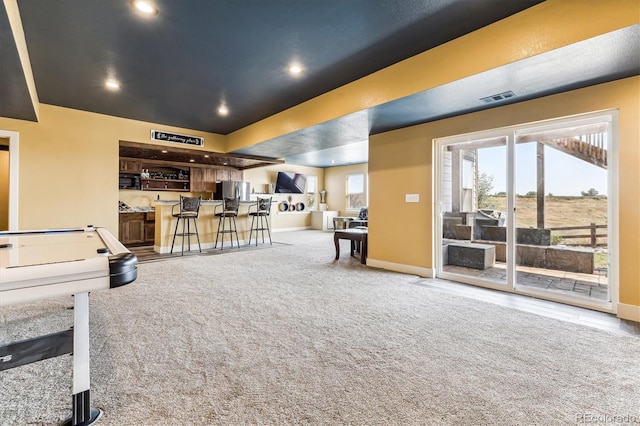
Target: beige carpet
[(290, 336)]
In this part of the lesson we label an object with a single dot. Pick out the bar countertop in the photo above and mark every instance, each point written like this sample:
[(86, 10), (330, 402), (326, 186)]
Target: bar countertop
[(203, 202)]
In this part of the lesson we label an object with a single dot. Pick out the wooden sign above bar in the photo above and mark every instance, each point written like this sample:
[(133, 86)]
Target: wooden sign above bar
[(158, 135)]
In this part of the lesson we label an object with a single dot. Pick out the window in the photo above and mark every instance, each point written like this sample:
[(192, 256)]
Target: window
[(467, 174), (312, 184), (356, 197)]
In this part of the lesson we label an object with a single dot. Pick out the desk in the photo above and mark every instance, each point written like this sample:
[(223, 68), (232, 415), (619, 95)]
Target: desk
[(65, 262), (353, 235), (323, 219)]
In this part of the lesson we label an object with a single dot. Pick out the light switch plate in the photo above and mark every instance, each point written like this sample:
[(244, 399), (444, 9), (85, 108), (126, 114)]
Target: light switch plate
[(412, 198)]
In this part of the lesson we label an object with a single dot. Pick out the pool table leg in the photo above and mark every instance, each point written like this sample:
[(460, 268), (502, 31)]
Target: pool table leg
[(82, 412)]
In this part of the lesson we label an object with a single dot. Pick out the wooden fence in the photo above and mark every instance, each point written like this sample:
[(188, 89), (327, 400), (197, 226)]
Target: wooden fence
[(591, 239)]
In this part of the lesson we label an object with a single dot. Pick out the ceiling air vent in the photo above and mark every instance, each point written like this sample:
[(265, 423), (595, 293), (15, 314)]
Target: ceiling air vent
[(498, 97)]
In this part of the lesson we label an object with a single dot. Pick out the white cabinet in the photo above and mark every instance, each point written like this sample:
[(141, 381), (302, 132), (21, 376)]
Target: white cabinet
[(323, 219)]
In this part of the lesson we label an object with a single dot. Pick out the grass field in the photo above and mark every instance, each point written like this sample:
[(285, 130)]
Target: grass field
[(559, 212)]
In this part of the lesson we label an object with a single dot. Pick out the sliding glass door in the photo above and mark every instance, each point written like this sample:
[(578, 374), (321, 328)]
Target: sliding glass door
[(527, 209), (562, 208), (471, 172)]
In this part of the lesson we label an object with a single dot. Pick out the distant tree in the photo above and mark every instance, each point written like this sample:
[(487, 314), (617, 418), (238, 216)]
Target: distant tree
[(531, 194), (592, 192), (485, 186), (501, 194)]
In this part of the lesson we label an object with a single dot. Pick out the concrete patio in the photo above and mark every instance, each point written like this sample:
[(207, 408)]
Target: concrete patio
[(593, 286)]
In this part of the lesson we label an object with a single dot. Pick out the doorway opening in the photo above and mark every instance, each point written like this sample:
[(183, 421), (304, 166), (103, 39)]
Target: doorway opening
[(4, 184), (528, 209), (9, 147)]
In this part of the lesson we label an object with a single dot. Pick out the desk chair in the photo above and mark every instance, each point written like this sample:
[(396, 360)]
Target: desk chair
[(341, 222), (360, 222), (188, 210), (227, 215), (260, 218)]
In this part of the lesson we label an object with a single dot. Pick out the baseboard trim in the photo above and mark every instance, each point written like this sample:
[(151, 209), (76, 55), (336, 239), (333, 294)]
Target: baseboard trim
[(399, 267), (628, 312)]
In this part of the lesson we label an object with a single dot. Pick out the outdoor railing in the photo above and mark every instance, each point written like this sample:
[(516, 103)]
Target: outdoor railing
[(591, 238)]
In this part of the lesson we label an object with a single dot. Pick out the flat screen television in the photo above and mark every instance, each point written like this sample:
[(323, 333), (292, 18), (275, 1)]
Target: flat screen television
[(290, 183)]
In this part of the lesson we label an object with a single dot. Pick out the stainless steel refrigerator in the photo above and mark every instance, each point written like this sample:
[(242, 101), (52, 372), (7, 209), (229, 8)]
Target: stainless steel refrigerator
[(232, 189)]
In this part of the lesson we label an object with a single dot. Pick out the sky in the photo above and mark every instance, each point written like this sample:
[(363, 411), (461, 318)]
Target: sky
[(564, 174)]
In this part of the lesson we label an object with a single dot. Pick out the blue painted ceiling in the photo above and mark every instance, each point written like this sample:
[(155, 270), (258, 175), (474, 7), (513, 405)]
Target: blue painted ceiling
[(176, 68)]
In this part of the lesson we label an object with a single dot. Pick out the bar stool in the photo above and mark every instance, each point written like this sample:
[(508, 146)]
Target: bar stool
[(228, 216), (189, 208), (260, 218)]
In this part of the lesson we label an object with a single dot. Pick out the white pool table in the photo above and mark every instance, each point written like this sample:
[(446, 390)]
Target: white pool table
[(61, 262)]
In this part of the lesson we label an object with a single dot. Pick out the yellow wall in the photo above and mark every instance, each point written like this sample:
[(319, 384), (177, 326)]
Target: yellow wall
[(69, 169), (69, 165), (335, 185), (400, 162), (259, 177)]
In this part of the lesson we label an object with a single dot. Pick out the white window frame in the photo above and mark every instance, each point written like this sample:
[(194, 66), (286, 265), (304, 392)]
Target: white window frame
[(511, 132), (348, 208)]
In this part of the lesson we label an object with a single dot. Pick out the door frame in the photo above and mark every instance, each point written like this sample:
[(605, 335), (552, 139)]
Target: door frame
[(14, 145)]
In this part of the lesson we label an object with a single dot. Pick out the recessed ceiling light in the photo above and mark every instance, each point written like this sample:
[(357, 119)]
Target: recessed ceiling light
[(192, 161), (225, 163), (112, 84), (206, 156), (164, 151), (145, 7), (223, 110), (294, 69)]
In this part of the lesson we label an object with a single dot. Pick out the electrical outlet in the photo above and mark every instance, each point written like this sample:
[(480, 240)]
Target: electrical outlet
[(412, 198)]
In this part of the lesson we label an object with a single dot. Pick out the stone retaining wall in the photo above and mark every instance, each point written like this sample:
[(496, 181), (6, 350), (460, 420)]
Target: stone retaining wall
[(570, 259)]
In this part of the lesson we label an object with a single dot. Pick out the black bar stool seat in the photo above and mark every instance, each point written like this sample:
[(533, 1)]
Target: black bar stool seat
[(227, 216), (259, 213), (188, 210)]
